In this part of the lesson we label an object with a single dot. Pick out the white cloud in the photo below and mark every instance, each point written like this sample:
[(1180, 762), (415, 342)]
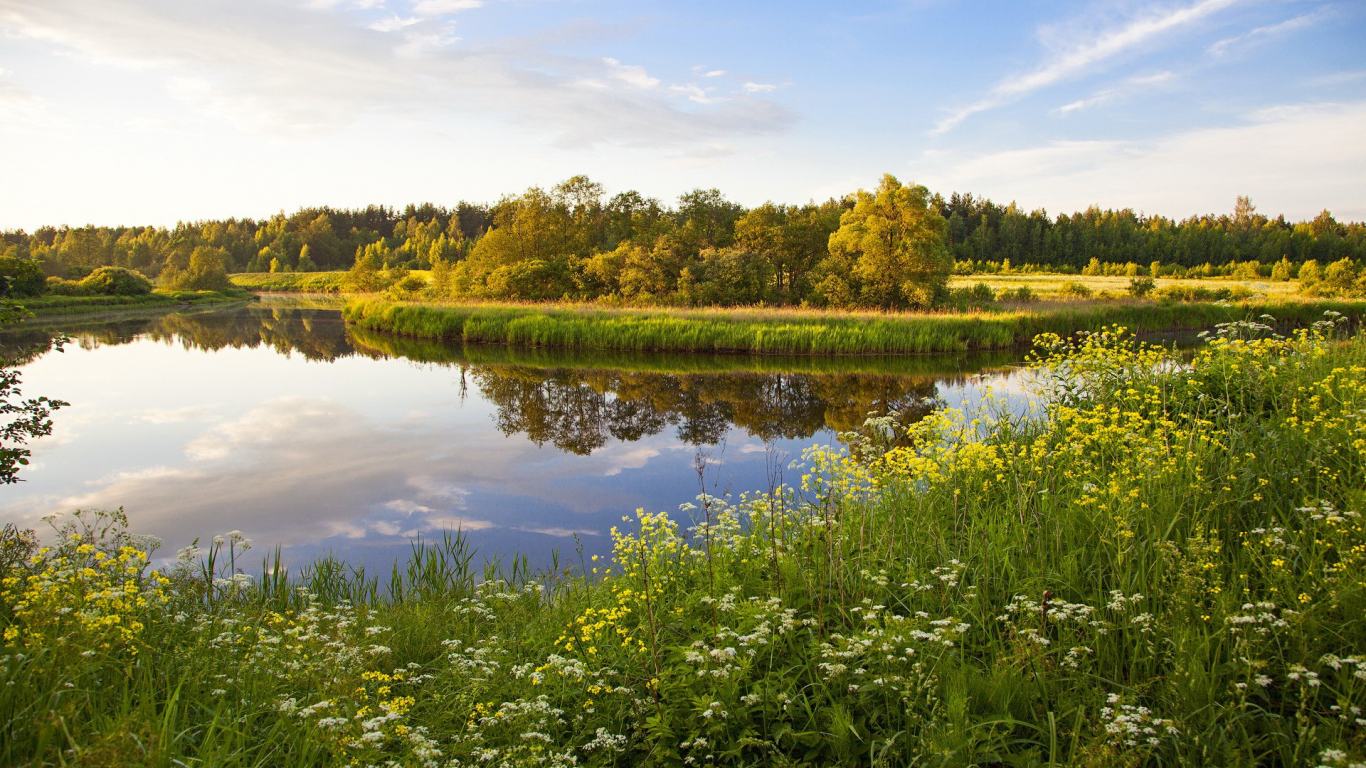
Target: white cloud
[(694, 93), (715, 73), (759, 87), (394, 23), (630, 74), (1295, 159), (1083, 58), (1126, 88), (282, 70), (1261, 34), (439, 7)]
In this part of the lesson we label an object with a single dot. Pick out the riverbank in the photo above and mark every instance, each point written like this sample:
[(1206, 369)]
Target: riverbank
[(799, 332), (1166, 565), (290, 282), (54, 306)]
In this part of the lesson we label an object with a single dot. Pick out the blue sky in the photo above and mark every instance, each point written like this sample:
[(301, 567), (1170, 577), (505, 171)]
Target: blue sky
[(153, 111)]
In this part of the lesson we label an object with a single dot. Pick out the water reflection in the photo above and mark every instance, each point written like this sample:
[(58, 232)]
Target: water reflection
[(579, 401), (282, 422)]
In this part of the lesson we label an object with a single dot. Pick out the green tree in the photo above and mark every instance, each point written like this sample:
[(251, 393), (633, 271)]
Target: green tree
[(203, 271), (20, 419), (894, 244), (21, 277)]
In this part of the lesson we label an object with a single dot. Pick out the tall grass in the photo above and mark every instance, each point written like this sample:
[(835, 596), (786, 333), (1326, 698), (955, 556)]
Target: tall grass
[(379, 344), (1164, 565), (300, 282), (43, 306), (790, 332)]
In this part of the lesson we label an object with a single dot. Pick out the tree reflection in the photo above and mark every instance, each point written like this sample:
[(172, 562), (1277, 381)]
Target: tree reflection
[(580, 410), (578, 401)]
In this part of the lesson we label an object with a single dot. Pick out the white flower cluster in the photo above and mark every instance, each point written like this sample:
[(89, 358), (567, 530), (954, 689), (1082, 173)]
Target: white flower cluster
[(1130, 725)]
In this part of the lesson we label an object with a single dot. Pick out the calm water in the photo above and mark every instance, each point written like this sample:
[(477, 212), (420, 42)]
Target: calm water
[(278, 421)]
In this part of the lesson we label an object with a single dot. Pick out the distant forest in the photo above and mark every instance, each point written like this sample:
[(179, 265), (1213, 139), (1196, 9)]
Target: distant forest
[(574, 241)]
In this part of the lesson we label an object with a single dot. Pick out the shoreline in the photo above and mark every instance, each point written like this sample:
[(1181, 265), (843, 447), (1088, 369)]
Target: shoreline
[(798, 332)]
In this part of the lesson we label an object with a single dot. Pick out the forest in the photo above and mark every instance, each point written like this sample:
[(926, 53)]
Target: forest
[(894, 247)]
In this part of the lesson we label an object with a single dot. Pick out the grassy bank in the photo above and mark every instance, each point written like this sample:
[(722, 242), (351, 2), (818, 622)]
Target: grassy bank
[(1165, 566), (45, 306), (793, 332), (290, 282), (376, 344)]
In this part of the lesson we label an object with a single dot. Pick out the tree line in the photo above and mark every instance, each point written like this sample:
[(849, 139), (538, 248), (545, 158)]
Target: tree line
[(893, 246)]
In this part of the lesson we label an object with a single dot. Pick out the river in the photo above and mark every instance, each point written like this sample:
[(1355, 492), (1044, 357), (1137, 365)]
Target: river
[(277, 420)]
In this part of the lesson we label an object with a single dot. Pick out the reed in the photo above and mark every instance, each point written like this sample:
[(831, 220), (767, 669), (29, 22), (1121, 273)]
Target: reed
[(787, 332)]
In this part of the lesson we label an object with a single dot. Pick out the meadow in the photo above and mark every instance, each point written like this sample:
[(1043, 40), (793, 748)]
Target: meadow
[(44, 306), (291, 282), (1162, 562), (788, 331), (1054, 286)]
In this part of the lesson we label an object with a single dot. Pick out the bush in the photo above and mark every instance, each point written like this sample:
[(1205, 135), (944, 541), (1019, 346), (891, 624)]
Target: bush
[(116, 281), (56, 286), (1021, 295), (1075, 290), (1140, 287), (21, 277)]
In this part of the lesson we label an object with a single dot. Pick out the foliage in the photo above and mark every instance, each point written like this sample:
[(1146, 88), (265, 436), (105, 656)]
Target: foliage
[(573, 241), (21, 277), (1140, 287), (889, 250), (300, 282), (203, 270), (1163, 565), (20, 420), (116, 281)]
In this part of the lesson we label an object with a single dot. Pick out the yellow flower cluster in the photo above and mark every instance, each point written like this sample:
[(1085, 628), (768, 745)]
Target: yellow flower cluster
[(81, 596)]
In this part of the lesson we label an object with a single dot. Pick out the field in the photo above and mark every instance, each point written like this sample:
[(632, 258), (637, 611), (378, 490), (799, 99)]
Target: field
[(1050, 286), (796, 331), (287, 282), (1163, 563)]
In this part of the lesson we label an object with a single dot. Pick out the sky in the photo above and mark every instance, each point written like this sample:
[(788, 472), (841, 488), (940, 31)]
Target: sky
[(157, 111)]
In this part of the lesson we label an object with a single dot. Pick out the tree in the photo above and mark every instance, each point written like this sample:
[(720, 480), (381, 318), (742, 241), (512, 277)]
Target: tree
[(23, 419), (203, 272), (21, 277), (894, 243)]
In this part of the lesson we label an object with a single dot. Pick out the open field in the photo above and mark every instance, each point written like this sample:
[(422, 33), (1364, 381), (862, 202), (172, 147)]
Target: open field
[(795, 331), (1050, 285), (301, 282), (1165, 564)]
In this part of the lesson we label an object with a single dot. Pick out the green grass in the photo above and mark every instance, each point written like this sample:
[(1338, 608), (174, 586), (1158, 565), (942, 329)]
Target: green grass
[(299, 282), (793, 332), (1050, 285), (377, 344), (1166, 565), (286, 282), (43, 306)]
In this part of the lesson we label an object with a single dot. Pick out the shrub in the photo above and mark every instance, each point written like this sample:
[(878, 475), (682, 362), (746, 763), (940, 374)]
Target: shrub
[(56, 286), (116, 281), (21, 277), (1076, 290), (1139, 287)]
